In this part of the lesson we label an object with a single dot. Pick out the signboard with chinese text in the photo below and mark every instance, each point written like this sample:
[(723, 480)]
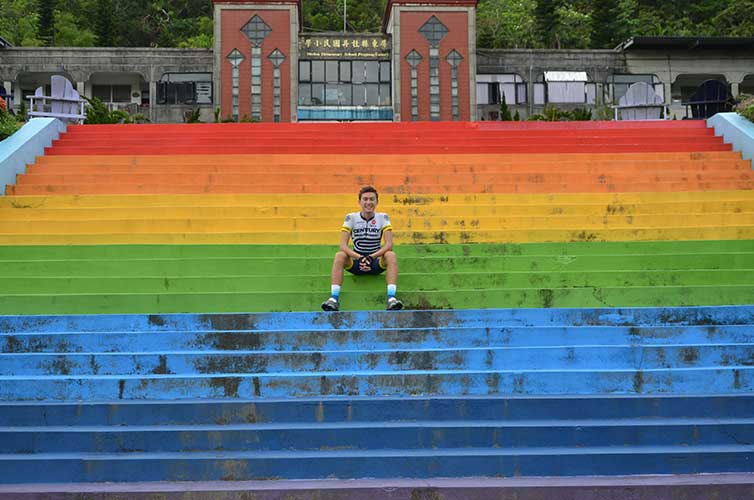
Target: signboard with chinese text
[(344, 46)]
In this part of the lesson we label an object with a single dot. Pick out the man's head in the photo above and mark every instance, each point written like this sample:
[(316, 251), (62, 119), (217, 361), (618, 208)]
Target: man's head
[(368, 199)]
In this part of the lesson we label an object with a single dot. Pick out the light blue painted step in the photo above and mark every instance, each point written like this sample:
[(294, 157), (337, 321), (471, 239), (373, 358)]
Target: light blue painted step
[(494, 358), (374, 339), (370, 320)]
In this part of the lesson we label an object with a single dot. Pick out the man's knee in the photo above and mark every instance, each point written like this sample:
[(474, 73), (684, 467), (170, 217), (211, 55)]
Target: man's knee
[(341, 258), (390, 258)]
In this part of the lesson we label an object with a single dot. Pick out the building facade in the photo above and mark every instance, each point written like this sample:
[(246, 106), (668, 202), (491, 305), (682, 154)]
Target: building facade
[(423, 65)]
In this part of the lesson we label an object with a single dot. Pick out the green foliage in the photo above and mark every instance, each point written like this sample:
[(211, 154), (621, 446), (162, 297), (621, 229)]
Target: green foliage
[(604, 112), (506, 24), (19, 21), (553, 114), (98, 113), (606, 20), (22, 112), (327, 15), (581, 115), (217, 114), (8, 124), (69, 34), (516, 117), (105, 23), (500, 23), (546, 17), (505, 112), (46, 29), (745, 107), (193, 116)]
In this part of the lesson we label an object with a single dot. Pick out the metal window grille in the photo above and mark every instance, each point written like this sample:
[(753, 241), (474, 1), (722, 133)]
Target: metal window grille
[(277, 58), (235, 58), (414, 58), (434, 31), (454, 59), (256, 30)]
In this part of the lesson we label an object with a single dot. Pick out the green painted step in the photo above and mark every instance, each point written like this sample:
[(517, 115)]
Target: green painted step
[(363, 300), (316, 266), (408, 282), (245, 251)]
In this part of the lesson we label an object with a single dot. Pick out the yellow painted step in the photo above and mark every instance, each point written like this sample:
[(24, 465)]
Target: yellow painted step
[(331, 237), (395, 211), (314, 224), (349, 202)]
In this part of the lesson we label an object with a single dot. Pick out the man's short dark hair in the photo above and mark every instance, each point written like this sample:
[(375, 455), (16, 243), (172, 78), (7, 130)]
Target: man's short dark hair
[(368, 189)]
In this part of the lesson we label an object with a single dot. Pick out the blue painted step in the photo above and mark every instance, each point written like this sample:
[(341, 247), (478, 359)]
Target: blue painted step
[(387, 463), (495, 358), (417, 394)]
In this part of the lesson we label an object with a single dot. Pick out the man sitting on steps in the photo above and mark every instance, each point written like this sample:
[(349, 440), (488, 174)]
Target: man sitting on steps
[(367, 228)]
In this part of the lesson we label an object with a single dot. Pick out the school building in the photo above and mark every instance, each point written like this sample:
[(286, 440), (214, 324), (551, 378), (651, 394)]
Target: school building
[(423, 66)]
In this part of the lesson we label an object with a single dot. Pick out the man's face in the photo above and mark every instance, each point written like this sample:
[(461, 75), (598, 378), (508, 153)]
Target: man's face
[(368, 203)]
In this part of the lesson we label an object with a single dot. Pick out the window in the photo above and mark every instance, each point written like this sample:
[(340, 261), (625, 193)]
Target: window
[(112, 93), (385, 72), (331, 71), (345, 71), (344, 83), (619, 85), (185, 88), (491, 88), (372, 72), (305, 71), (318, 71)]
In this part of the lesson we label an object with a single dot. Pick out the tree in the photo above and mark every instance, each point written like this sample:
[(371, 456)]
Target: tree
[(104, 23), (46, 12), (505, 112), (18, 23), (546, 18), (606, 19), (573, 27), (506, 24), (68, 33)]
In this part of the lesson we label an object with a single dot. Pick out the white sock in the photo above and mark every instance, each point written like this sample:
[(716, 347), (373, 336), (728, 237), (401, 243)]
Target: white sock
[(335, 291), (391, 290)]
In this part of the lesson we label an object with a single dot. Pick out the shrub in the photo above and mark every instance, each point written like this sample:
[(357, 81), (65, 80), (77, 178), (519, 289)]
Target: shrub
[(581, 115), (745, 107), (505, 112), (98, 113), (8, 124), (193, 116)]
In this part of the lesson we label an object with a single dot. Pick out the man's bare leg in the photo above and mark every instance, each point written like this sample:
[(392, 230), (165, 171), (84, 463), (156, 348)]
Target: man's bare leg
[(391, 278), (336, 279)]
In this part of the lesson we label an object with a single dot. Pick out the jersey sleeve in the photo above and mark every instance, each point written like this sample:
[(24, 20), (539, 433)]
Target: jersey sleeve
[(347, 224), (386, 226)]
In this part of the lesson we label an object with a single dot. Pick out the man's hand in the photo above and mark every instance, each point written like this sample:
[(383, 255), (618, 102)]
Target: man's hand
[(365, 263)]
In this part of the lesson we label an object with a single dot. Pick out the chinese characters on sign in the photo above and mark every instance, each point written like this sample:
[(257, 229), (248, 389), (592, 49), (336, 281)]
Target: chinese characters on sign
[(343, 45)]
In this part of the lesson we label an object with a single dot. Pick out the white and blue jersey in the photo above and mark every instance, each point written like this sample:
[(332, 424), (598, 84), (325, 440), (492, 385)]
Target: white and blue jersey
[(366, 234)]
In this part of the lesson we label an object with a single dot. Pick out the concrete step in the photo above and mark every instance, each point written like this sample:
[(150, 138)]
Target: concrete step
[(144, 361), (363, 409), (365, 436), (478, 382), (247, 338), (489, 462), (76, 264), (229, 302)]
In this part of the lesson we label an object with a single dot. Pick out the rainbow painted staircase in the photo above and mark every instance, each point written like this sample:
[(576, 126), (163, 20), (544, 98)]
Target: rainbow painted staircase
[(130, 256)]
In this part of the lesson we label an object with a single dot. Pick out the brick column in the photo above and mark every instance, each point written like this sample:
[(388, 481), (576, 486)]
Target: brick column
[(246, 34), (429, 32)]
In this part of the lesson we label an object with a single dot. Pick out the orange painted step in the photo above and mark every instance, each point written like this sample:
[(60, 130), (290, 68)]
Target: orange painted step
[(173, 168), (382, 179), (409, 159), (286, 188)]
